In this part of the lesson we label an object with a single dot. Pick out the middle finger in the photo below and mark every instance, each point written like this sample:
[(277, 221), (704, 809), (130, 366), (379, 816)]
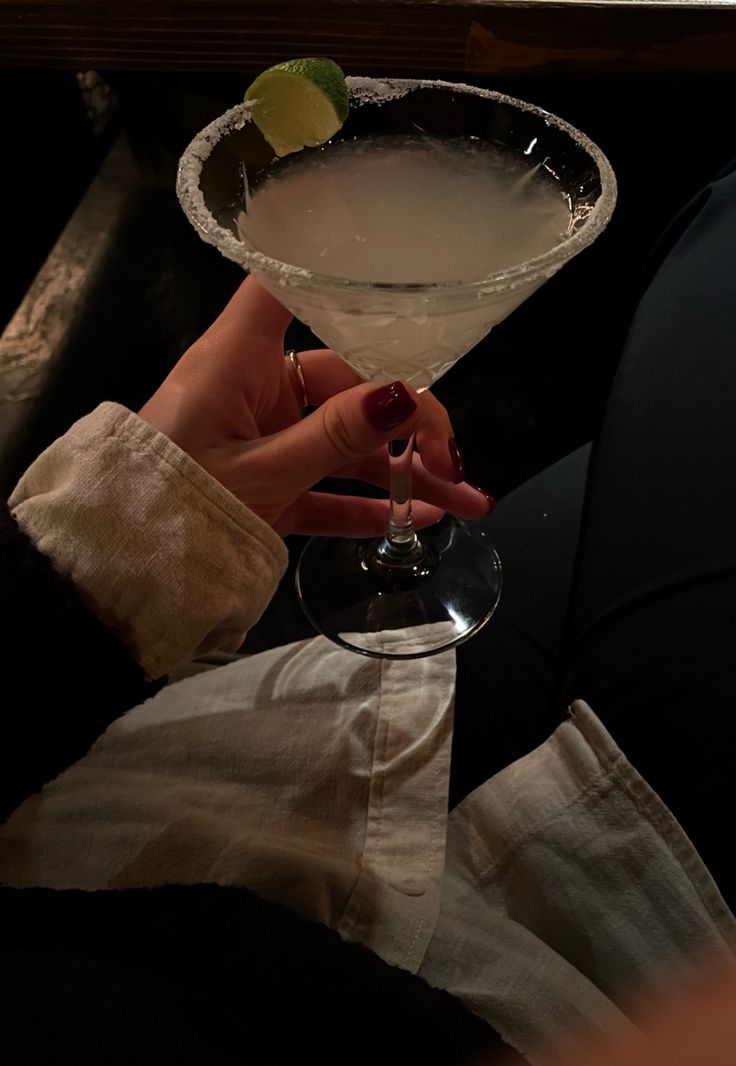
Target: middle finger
[(463, 500)]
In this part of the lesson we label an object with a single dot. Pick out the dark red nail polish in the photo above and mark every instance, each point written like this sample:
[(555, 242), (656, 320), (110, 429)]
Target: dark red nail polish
[(457, 461), (489, 498), (388, 406)]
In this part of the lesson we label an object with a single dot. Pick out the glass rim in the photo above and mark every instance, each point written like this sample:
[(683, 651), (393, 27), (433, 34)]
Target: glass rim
[(192, 200)]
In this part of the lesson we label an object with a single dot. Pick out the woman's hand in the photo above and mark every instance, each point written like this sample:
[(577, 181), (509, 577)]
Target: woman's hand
[(233, 403)]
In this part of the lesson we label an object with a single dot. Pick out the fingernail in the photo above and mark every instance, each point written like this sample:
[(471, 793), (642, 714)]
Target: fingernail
[(489, 498), (388, 406), (457, 461)]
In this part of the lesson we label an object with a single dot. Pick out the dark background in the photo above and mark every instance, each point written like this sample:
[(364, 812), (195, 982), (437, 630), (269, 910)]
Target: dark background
[(533, 391)]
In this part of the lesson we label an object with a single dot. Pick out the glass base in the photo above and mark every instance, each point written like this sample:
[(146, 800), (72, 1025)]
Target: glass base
[(389, 608)]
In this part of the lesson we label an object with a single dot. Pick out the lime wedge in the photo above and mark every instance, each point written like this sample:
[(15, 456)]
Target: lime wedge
[(300, 102)]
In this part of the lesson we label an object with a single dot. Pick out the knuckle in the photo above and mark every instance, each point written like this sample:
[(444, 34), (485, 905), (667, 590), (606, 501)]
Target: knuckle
[(436, 415), (339, 433)]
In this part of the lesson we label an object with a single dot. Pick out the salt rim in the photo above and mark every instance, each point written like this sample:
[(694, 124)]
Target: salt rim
[(376, 90), (379, 90)]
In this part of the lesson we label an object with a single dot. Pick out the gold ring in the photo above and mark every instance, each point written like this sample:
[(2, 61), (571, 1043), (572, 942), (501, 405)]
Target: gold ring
[(293, 358)]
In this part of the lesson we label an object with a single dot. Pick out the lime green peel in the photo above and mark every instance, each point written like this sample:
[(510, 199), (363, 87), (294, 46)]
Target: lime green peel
[(299, 103)]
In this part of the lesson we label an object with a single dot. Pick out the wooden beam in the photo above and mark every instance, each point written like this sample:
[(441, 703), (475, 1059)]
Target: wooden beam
[(409, 37)]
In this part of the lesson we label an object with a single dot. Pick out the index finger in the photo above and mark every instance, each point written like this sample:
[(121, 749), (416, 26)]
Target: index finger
[(251, 320), (326, 374)]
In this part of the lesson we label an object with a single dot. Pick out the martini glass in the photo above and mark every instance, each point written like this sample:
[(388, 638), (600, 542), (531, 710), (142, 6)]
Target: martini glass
[(329, 239)]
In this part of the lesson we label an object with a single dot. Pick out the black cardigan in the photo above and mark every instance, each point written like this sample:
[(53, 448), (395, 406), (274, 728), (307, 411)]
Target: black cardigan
[(180, 974)]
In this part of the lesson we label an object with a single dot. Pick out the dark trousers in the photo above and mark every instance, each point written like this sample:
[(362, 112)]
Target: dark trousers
[(620, 561)]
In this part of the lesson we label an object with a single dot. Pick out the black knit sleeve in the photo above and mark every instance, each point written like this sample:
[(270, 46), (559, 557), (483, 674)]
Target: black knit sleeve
[(65, 675), (203, 975)]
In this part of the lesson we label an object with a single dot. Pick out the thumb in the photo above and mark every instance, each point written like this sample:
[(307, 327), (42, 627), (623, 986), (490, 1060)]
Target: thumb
[(347, 427)]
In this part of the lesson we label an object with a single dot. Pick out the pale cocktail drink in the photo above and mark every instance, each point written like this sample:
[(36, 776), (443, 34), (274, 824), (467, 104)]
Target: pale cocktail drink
[(408, 210)]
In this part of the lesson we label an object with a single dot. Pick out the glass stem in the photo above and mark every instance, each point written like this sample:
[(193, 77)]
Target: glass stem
[(401, 544)]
